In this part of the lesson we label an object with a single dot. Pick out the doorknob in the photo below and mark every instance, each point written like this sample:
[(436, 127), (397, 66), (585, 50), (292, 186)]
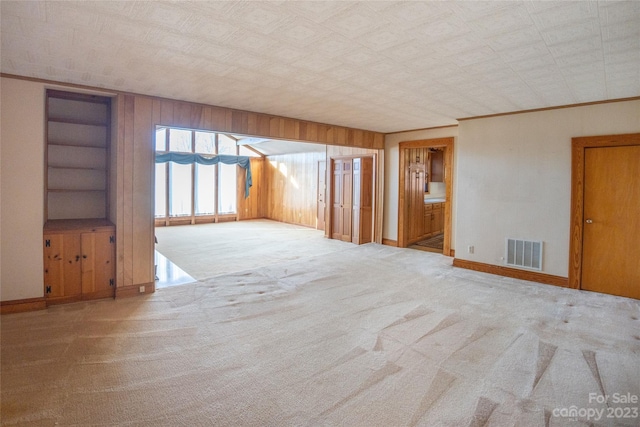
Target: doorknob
[(589, 221)]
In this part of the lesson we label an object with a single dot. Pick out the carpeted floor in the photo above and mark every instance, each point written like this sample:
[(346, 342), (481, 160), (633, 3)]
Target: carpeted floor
[(362, 336), (208, 250)]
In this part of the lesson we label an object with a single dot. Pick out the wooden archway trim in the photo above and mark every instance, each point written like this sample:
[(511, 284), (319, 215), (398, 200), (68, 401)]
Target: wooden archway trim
[(448, 178)]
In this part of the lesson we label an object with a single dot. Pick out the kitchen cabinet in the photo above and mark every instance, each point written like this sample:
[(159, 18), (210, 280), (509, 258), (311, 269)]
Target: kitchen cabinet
[(79, 260), (428, 218), (436, 159), (437, 222), (433, 219)]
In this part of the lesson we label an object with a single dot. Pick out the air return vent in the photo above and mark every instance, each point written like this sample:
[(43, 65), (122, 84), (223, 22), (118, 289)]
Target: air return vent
[(524, 253)]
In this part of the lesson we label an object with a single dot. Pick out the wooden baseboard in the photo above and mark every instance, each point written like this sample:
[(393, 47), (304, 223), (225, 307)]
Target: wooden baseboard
[(515, 273), (134, 290), (22, 305), (390, 242)]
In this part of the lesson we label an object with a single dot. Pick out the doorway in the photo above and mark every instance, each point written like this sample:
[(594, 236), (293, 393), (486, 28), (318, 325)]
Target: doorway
[(351, 199), (425, 195), (605, 214)]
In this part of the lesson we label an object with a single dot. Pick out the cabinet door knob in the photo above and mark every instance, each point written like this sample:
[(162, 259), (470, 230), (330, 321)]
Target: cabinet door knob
[(589, 221)]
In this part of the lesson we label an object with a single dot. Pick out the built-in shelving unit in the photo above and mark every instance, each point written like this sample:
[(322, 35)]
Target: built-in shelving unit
[(78, 136), (79, 238)]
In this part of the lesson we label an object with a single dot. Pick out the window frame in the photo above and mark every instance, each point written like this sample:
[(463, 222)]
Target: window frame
[(193, 218)]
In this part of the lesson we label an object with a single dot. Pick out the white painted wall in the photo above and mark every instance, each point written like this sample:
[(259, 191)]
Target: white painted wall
[(21, 188), (513, 178), (392, 175)]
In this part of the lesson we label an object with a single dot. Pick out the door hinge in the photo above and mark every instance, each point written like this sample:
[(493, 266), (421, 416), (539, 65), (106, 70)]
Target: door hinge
[(112, 239), (47, 243), (48, 289), (111, 283)]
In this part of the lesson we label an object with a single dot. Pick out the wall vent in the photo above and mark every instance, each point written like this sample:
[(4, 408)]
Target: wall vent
[(524, 253)]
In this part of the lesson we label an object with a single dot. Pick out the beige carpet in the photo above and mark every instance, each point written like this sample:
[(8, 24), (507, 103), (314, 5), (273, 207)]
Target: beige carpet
[(365, 336), (208, 250)]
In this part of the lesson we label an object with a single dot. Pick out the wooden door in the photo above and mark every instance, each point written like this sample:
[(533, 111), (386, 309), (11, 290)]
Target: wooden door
[(322, 190), (342, 200), (62, 262), (97, 263), (366, 201), (357, 189), (611, 231)]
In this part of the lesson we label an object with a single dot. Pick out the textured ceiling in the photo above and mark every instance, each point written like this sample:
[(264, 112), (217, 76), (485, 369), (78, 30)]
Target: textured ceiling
[(383, 66)]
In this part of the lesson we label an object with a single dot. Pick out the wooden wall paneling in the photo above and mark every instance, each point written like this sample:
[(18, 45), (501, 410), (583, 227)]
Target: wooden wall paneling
[(252, 123), (205, 117), (239, 122), (197, 121), (143, 224), (125, 241), (339, 135), (218, 118), (276, 127), (323, 135), (291, 181), (302, 130), (378, 141), (263, 125), (166, 112), (312, 131), (291, 129), (251, 207), (118, 104), (181, 114)]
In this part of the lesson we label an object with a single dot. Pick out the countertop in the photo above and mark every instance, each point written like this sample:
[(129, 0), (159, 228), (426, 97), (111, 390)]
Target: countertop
[(434, 200)]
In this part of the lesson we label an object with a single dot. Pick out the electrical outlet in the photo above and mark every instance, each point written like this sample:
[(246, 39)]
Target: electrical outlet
[(470, 249), (142, 289)]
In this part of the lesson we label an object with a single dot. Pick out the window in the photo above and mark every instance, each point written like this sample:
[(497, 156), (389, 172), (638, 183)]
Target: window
[(194, 190), (227, 175)]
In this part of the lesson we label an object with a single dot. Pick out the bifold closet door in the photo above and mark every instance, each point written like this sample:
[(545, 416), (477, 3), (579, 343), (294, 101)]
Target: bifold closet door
[(342, 199)]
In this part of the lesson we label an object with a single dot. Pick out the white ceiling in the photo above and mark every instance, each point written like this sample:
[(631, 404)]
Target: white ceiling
[(383, 66)]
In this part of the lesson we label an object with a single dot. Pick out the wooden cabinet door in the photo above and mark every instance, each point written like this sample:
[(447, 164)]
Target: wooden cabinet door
[(612, 220), (437, 224), (62, 265), (427, 221), (98, 262)]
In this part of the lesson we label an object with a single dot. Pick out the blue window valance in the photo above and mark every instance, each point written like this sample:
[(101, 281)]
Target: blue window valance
[(203, 159)]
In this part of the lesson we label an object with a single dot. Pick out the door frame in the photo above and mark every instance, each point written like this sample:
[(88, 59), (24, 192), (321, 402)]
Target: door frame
[(578, 147), (328, 218), (448, 144)]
